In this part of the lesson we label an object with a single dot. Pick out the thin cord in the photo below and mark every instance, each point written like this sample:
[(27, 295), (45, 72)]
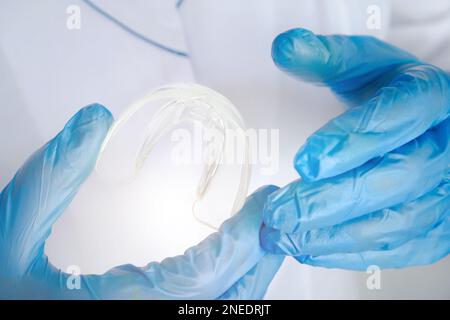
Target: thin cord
[(179, 3), (133, 32)]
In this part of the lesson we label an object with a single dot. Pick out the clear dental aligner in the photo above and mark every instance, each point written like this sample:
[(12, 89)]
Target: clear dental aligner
[(193, 103)]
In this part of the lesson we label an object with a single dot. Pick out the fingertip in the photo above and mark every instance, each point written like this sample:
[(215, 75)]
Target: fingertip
[(274, 260), (301, 52), (266, 190), (254, 284), (307, 164), (282, 50), (56, 171)]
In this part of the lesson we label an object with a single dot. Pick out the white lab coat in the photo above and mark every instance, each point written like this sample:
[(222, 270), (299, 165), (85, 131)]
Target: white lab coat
[(48, 72)]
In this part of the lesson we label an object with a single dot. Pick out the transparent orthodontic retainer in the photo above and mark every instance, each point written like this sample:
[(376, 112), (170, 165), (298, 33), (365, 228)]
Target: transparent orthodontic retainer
[(198, 104)]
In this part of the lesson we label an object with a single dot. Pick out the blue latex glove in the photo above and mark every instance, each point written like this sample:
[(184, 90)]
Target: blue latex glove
[(229, 264), (375, 184)]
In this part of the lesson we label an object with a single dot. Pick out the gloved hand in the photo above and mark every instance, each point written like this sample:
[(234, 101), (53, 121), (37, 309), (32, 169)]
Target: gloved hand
[(229, 264), (375, 180)]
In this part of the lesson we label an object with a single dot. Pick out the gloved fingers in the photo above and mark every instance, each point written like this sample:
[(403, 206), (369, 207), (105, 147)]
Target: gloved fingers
[(398, 177), (345, 63), (426, 249), (253, 285), (381, 230), (44, 186), (204, 271), (49, 283), (415, 101)]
